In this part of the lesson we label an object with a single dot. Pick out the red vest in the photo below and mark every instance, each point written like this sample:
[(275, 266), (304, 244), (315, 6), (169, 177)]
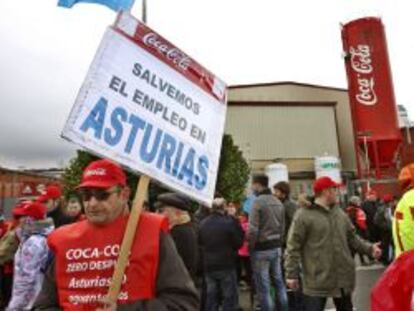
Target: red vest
[(85, 256)]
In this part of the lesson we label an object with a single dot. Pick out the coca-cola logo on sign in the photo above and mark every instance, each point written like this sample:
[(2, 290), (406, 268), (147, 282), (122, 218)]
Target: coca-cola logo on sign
[(361, 63), (171, 53)]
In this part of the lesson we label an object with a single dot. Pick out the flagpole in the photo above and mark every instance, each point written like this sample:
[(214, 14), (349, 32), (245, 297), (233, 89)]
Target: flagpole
[(144, 11)]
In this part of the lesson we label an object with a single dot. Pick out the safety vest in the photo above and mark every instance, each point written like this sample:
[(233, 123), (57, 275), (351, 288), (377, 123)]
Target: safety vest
[(403, 224), (85, 256)]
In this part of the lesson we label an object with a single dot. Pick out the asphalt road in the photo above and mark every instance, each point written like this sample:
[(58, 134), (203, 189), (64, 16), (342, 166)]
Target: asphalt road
[(366, 278)]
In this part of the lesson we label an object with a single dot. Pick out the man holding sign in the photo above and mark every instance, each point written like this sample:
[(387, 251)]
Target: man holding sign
[(150, 107), (85, 254)]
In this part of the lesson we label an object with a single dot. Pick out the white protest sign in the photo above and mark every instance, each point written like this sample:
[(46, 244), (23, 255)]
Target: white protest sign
[(150, 107)]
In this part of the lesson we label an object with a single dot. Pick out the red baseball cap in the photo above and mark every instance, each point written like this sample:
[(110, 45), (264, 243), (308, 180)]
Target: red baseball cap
[(372, 192), (42, 198), (323, 183), (102, 174), (35, 210), (387, 198), (52, 192)]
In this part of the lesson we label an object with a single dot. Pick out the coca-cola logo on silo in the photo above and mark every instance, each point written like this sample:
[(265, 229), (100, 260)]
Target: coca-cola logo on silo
[(361, 63)]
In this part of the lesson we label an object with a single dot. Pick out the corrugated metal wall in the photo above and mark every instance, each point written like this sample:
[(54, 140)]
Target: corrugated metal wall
[(269, 132), (302, 93)]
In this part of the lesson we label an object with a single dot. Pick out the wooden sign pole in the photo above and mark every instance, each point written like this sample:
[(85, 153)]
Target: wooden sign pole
[(128, 239)]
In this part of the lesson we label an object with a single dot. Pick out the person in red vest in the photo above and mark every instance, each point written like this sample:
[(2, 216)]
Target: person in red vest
[(85, 254)]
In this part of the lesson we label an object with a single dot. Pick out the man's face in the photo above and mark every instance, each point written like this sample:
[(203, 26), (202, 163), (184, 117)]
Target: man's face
[(231, 209), (21, 221), (73, 208), (103, 206), (331, 196), (256, 187), (372, 197), (279, 194), (50, 205), (170, 212)]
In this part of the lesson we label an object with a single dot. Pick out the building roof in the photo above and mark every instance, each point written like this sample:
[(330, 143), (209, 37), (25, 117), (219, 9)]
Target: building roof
[(256, 103), (241, 86), (35, 173)]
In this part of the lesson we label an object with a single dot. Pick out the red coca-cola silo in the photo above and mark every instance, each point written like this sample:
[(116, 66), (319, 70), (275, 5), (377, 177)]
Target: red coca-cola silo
[(371, 95)]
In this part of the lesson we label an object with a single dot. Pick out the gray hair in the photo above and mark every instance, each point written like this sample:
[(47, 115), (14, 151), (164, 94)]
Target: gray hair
[(219, 203), (355, 200)]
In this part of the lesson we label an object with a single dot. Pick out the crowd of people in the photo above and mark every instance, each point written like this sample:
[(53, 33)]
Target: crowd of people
[(24, 251), (59, 254)]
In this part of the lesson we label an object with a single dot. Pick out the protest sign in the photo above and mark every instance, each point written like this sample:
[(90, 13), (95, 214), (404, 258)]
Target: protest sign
[(149, 106)]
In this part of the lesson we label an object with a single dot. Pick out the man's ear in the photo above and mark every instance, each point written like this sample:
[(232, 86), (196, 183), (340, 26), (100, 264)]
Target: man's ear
[(125, 193)]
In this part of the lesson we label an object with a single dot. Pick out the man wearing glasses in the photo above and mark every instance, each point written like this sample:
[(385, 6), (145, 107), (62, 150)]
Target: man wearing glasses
[(85, 254)]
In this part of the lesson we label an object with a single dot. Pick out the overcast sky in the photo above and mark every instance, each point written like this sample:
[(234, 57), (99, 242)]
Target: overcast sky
[(45, 52)]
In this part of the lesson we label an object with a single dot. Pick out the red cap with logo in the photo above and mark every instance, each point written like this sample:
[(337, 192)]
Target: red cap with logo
[(324, 183), (102, 174), (35, 210), (52, 192)]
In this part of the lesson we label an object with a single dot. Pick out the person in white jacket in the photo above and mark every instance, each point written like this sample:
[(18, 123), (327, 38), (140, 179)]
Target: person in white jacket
[(31, 257)]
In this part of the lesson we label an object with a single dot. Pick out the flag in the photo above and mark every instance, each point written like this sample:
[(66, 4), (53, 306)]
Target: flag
[(116, 5)]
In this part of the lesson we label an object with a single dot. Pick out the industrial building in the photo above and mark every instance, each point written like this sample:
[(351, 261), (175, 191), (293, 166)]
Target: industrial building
[(293, 124), (18, 184)]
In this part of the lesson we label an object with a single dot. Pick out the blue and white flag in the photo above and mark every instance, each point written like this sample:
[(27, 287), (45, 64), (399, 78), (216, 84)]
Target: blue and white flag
[(116, 5)]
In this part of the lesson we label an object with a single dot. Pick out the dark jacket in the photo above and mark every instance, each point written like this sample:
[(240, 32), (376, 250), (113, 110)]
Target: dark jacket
[(370, 209), (186, 242), (266, 222), (202, 213), (174, 288), (383, 218), (290, 210), (320, 242), (220, 238), (60, 218)]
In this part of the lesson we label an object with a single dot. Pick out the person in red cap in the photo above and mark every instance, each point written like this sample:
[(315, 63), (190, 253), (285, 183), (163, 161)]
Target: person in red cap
[(383, 221), (320, 242), (31, 256), (85, 254), (52, 198)]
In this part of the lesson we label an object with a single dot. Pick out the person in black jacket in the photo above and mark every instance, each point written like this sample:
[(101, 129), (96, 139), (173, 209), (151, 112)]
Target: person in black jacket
[(183, 231), (220, 237), (282, 192), (265, 237), (370, 208)]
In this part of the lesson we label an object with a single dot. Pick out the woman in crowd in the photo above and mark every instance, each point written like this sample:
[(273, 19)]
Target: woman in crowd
[(31, 257)]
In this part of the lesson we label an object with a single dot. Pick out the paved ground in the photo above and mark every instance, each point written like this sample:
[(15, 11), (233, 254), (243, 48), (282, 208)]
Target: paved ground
[(366, 278)]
